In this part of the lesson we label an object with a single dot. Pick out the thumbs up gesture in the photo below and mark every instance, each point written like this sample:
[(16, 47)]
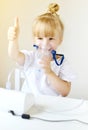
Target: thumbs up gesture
[(13, 31)]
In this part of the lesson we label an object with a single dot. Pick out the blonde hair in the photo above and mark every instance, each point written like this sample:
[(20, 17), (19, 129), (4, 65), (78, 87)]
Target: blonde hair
[(49, 23)]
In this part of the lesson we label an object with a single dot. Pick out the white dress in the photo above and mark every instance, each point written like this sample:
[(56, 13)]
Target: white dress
[(36, 81)]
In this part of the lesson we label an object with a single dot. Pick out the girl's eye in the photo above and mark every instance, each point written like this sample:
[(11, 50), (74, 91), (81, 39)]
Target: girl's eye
[(51, 38), (39, 38)]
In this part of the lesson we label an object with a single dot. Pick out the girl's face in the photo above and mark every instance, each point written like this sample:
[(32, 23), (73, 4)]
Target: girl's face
[(49, 42)]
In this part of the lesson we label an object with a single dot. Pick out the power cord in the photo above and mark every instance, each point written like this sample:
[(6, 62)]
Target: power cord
[(27, 116)]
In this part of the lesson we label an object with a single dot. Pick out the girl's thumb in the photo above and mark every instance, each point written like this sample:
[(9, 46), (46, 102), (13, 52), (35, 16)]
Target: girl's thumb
[(16, 22)]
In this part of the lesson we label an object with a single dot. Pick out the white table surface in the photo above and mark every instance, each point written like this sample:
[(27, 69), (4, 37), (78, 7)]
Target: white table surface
[(52, 109)]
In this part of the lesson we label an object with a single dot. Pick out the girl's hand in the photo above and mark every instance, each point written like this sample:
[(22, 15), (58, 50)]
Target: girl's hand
[(13, 31), (45, 64)]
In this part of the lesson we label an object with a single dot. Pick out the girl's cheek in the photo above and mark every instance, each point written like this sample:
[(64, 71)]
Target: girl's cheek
[(38, 43), (54, 47)]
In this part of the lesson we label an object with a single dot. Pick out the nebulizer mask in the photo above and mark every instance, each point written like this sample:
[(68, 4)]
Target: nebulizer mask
[(44, 52)]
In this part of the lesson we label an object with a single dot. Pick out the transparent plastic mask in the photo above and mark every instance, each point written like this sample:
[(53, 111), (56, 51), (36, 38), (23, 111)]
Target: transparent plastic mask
[(39, 55), (44, 52)]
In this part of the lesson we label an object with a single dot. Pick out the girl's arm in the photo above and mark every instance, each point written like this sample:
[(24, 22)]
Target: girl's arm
[(60, 86), (13, 47)]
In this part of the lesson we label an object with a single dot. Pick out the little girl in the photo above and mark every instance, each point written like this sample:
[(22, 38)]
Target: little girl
[(56, 75)]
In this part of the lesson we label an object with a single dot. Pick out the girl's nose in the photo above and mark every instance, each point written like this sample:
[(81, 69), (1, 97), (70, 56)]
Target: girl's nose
[(45, 44)]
